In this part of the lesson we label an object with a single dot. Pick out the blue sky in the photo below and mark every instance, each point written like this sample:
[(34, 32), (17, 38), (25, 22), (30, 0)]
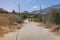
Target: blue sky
[(26, 5)]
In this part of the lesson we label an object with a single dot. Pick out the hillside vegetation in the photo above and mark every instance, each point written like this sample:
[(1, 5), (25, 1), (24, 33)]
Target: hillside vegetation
[(53, 20), (9, 22)]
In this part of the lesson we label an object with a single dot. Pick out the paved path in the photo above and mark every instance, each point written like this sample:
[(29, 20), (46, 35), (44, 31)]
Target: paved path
[(31, 31)]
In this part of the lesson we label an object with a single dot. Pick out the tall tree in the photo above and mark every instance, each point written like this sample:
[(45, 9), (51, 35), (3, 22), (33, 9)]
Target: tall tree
[(13, 11)]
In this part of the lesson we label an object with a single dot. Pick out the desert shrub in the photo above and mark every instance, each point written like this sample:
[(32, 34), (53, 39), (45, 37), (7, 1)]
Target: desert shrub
[(53, 21), (14, 19), (53, 16), (37, 18), (24, 17), (9, 19)]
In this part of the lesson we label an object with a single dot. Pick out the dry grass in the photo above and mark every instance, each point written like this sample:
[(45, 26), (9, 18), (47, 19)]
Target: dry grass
[(4, 21), (5, 24), (53, 27), (4, 30)]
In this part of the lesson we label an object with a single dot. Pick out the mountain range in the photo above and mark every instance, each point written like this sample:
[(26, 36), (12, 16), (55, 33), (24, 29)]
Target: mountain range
[(47, 9)]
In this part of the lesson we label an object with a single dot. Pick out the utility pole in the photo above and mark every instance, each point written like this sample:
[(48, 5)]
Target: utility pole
[(19, 7), (18, 30), (40, 9), (42, 16), (41, 12), (19, 12)]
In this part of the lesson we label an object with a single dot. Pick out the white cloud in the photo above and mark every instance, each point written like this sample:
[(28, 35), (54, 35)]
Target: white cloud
[(38, 7), (35, 6), (42, 7)]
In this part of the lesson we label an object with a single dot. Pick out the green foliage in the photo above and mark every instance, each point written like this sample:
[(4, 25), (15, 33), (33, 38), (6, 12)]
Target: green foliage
[(13, 11), (24, 17), (54, 16), (10, 18), (3, 11), (36, 17), (14, 18)]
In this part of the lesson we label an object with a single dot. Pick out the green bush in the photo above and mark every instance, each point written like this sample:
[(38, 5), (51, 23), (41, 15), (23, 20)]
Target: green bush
[(14, 19), (54, 16), (37, 18)]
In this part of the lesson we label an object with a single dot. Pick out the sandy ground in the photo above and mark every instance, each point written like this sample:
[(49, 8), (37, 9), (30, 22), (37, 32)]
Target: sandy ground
[(31, 31)]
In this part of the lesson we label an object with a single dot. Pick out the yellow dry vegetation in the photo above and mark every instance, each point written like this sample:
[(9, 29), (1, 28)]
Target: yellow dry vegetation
[(53, 27), (4, 21)]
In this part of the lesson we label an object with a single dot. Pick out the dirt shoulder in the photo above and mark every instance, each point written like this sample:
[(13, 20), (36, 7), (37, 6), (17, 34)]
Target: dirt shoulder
[(12, 28)]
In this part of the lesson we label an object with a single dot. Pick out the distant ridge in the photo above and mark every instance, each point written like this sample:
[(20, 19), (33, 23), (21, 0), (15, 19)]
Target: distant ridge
[(47, 9)]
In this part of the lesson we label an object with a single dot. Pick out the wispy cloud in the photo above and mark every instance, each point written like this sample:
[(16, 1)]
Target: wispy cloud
[(42, 7), (35, 7)]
